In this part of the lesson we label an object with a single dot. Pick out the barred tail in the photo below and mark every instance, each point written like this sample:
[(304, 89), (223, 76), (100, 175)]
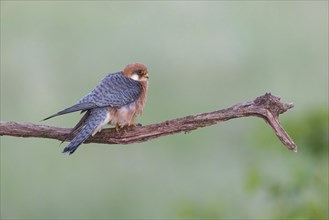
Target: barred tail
[(79, 139), (96, 119)]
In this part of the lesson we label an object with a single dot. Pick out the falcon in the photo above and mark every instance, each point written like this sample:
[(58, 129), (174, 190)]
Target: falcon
[(117, 100)]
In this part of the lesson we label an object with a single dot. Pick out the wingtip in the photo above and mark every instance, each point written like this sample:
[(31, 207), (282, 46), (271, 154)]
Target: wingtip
[(49, 117)]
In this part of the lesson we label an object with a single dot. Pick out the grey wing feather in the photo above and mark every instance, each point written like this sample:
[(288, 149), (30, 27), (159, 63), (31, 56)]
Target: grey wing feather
[(95, 119), (114, 90), (78, 107)]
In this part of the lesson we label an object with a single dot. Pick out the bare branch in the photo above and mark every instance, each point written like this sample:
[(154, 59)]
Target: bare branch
[(267, 107)]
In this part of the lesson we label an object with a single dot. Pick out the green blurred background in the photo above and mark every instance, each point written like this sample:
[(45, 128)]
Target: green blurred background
[(202, 56)]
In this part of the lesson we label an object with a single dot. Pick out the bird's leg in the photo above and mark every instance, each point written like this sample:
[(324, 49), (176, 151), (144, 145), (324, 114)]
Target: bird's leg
[(132, 124), (117, 127)]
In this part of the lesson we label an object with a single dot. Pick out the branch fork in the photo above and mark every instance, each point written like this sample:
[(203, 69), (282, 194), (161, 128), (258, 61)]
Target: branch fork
[(268, 107)]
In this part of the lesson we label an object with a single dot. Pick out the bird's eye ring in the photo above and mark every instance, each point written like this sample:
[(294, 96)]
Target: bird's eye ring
[(139, 72)]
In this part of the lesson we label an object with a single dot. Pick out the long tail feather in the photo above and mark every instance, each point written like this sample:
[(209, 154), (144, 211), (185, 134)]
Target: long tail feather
[(96, 118), (77, 128), (79, 139)]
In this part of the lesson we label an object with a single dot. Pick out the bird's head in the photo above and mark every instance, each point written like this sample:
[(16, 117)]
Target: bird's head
[(136, 71)]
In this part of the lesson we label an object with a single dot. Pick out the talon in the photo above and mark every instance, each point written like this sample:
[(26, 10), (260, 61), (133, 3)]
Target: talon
[(117, 128), (132, 124)]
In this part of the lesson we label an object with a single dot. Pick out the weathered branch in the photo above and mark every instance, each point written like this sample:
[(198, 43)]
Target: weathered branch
[(267, 107)]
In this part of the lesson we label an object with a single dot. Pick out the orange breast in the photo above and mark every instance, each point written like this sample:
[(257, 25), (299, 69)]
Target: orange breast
[(142, 99)]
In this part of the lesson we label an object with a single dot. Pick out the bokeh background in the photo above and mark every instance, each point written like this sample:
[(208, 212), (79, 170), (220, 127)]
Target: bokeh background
[(202, 56)]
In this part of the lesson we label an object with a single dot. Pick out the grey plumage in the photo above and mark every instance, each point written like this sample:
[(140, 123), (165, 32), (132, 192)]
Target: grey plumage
[(114, 91), (89, 126), (77, 128), (78, 107)]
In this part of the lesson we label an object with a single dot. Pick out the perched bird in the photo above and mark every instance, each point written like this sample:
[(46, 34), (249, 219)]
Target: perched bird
[(118, 99)]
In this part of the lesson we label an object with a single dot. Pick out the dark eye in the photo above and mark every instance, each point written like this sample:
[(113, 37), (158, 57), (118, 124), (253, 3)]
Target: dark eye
[(140, 72)]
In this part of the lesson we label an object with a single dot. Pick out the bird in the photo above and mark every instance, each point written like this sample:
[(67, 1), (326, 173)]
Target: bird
[(117, 100)]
